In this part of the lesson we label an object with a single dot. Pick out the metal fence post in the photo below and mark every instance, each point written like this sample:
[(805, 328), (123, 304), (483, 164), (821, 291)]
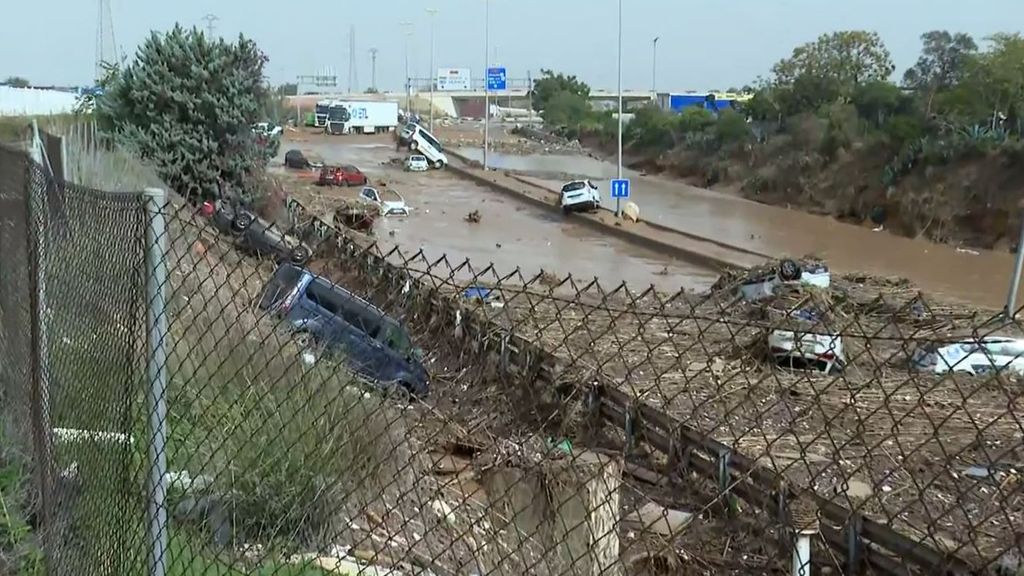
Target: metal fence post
[(42, 430), (156, 373), (1011, 298)]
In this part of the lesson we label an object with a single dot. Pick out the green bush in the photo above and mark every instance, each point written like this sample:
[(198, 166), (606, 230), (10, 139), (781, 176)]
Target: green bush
[(650, 129), (732, 129)]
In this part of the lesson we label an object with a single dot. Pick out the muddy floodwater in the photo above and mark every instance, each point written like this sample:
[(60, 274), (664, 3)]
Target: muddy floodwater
[(510, 234), (976, 276)]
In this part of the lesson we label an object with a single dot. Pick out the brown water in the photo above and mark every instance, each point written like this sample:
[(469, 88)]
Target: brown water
[(510, 235), (980, 278)]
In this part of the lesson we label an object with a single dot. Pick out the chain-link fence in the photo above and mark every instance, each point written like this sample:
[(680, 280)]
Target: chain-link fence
[(373, 411)]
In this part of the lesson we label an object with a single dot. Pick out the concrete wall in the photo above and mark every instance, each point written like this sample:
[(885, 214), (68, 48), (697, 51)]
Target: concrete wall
[(35, 102)]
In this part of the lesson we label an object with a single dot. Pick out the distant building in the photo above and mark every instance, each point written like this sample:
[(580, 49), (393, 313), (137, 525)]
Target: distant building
[(35, 101), (714, 101)]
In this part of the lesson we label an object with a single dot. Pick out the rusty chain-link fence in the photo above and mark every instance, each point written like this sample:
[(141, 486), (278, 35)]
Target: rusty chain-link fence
[(381, 412)]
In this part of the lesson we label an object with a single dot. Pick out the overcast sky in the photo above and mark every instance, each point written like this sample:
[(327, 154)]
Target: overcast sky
[(706, 44)]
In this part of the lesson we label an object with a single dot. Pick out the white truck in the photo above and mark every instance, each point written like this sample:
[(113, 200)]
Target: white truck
[(369, 117)]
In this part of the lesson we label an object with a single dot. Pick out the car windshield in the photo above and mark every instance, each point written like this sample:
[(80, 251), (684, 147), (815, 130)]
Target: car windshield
[(419, 159), (573, 186)]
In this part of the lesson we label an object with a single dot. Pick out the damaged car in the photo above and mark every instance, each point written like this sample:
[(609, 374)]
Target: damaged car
[(974, 356), (253, 234), (395, 206), (345, 326), (579, 196)]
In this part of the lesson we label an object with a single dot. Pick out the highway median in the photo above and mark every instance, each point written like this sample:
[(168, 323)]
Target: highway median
[(688, 247)]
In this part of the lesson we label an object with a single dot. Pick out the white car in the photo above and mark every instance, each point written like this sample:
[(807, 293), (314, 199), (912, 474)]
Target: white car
[(579, 196), (823, 352), (387, 207), (417, 163), (810, 274), (267, 129), (973, 356)]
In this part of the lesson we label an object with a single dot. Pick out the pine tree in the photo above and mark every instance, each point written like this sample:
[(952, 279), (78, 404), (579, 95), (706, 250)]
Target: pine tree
[(187, 104)]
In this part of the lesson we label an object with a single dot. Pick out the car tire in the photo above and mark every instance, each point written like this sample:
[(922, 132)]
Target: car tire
[(300, 255), (242, 222), (345, 183), (413, 145), (438, 164), (789, 270)]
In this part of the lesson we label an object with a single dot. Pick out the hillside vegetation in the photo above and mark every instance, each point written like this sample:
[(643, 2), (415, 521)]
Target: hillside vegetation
[(936, 154)]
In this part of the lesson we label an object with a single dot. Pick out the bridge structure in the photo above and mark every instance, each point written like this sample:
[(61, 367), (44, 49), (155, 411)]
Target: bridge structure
[(470, 103)]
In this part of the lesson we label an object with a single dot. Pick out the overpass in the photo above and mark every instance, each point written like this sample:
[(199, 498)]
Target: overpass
[(470, 103)]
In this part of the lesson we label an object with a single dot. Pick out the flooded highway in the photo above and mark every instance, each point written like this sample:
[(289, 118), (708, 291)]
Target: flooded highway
[(510, 235), (979, 277)]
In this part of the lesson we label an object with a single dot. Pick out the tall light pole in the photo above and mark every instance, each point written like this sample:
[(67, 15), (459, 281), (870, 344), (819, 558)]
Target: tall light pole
[(373, 69), (433, 75), (618, 201), (407, 27), (487, 64), (654, 67)]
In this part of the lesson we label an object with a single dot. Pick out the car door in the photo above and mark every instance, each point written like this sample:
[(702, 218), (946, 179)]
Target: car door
[(371, 194)]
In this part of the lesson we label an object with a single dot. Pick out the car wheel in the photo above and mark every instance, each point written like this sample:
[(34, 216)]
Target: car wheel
[(789, 270), (345, 183), (438, 164), (413, 145), (300, 255), (242, 222), (404, 390)]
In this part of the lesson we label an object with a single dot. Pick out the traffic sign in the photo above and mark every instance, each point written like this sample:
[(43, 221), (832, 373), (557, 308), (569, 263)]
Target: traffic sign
[(620, 188), (496, 79)]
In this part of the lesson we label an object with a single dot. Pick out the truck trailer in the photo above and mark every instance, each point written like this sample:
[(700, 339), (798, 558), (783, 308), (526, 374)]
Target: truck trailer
[(368, 117)]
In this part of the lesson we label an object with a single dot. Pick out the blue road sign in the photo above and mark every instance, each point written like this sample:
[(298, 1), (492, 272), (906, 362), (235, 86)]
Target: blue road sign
[(620, 188), (496, 79)]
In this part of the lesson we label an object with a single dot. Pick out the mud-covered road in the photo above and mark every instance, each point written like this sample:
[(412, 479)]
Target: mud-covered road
[(510, 234), (978, 277)]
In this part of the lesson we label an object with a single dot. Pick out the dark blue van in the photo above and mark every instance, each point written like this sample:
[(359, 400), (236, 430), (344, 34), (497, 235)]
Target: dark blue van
[(372, 343)]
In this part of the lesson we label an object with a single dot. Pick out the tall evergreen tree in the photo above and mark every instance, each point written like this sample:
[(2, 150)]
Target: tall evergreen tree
[(187, 103)]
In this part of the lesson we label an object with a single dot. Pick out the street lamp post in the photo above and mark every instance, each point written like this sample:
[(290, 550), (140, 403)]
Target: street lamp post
[(618, 201), (487, 64), (433, 76), (654, 67), (408, 81)]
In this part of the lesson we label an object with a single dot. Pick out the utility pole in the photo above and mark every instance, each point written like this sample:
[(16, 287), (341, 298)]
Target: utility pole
[(210, 20), (618, 201), (353, 82), (105, 32), (487, 64), (433, 73), (373, 69), (654, 67)]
